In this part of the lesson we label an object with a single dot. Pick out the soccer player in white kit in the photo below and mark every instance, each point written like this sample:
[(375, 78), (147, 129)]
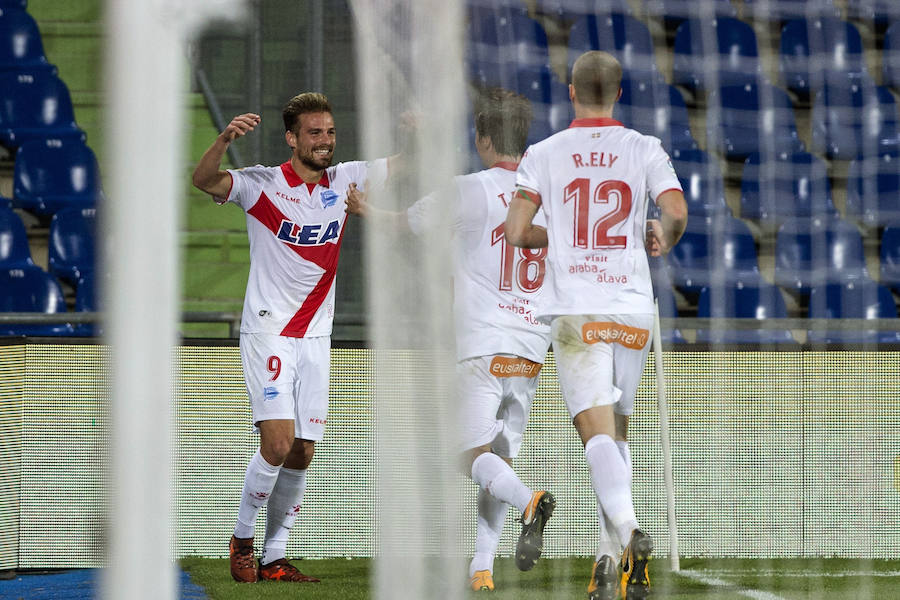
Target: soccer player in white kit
[(500, 346), (295, 223), (593, 181)]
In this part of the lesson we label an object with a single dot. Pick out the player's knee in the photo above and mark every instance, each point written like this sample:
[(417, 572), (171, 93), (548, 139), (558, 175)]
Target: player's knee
[(276, 450)]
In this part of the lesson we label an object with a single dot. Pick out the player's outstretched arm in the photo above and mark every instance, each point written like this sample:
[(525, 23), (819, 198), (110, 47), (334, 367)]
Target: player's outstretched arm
[(663, 234), (207, 175), (519, 230), (357, 204)]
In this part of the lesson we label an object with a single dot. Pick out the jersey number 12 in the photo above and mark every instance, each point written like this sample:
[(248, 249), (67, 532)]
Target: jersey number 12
[(612, 192)]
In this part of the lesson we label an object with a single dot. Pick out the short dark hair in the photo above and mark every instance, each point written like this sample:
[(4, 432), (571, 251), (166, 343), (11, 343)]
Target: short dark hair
[(307, 102), (597, 77), (505, 117)]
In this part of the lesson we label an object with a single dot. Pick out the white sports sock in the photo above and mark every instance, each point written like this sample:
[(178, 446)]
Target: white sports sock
[(499, 480), (625, 451), (610, 479), (258, 483), (491, 516), (608, 541), (284, 504)]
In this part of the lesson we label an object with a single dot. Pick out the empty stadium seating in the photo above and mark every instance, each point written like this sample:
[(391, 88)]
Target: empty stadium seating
[(52, 174), (701, 179), (713, 249), (873, 189), (851, 119), (656, 109), (21, 46), (746, 298), (507, 37), (30, 289), (785, 185), (860, 299), (889, 255), (665, 297), (749, 118), (815, 251), (70, 251), (570, 10), (675, 12), (818, 52), (714, 52), (34, 105), (785, 10), (14, 248), (880, 13), (621, 35), (890, 65)]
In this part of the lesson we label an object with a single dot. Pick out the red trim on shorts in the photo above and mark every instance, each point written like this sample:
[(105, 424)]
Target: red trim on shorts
[(596, 122), (324, 256), (505, 164)]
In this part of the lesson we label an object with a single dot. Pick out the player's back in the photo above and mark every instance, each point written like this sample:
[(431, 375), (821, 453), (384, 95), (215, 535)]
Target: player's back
[(495, 283), (594, 180)]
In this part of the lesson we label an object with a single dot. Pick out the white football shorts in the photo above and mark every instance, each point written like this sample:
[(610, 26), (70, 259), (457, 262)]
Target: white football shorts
[(287, 378), (600, 358), (496, 394)]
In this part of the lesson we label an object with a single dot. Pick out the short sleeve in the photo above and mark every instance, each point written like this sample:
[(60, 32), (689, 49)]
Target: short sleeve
[(527, 175), (661, 175), (243, 182)]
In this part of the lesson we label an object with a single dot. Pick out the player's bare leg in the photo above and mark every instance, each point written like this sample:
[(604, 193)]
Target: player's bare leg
[(284, 504)]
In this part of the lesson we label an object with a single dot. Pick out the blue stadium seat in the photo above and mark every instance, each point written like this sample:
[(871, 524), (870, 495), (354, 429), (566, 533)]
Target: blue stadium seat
[(665, 296), (14, 248), (87, 299), (814, 53), (735, 56), (475, 6), (70, 248), (570, 10), (785, 185), (30, 289), (873, 188), (625, 37), (701, 179), (890, 256), (862, 299), (507, 37), (656, 109), (890, 57), (747, 298), (675, 12), (21, 46), (854, 119), (549, 100), (34, 104), (51, 174), (880, 13), (751, 118), (810, 252), (785, 10), (712, 249)]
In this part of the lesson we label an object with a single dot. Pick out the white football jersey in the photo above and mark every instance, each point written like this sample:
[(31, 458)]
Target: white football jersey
[(295, 231), (594, 179), (494, 283)]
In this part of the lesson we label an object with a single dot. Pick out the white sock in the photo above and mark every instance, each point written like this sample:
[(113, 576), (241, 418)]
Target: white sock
[(499, 480), (610, 479), (625, 451), (608, 541), (284, 504), (258, 483), (491, 516)]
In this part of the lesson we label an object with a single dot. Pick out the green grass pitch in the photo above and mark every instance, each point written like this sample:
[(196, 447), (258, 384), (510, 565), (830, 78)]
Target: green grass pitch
[(699, 579)]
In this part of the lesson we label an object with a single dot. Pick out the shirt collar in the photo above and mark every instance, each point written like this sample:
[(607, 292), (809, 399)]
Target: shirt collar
[(596, 122), (505, 164), (294, 180)]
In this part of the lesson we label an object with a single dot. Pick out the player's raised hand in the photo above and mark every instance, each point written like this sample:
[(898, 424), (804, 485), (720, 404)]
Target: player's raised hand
[(356, 201), (655, 242), (240, 125)]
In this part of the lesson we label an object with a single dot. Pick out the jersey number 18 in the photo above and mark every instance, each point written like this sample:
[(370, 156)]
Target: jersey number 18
[(530, 268)]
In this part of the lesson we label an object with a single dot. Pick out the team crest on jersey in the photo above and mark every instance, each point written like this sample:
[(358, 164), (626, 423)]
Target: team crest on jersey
[(328, 198), (310, 234)]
